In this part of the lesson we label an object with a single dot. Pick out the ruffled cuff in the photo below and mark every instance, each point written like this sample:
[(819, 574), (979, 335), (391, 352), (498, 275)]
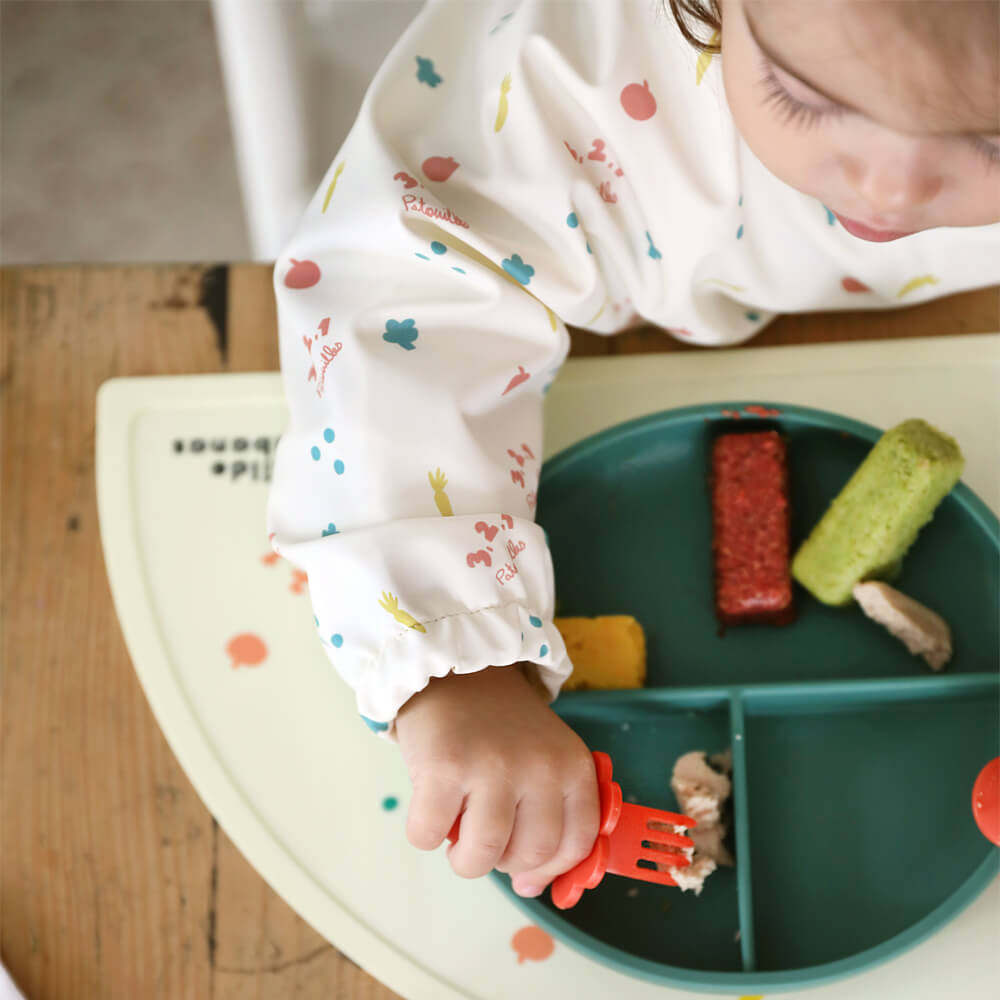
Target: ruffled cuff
[(459, 643)]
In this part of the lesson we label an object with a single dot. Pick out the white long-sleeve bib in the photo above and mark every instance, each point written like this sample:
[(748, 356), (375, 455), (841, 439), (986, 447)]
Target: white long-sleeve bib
[(515, 167)]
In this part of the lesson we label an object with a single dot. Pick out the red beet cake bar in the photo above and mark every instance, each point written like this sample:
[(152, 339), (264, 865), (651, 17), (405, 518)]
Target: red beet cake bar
[(750, 522)]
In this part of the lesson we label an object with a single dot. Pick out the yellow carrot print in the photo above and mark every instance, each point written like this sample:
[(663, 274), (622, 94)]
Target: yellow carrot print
[(391, 604), (502, 109), (705, 59), (724, 284), (333, 184), (596, 315), (438, 483), (914, 283)]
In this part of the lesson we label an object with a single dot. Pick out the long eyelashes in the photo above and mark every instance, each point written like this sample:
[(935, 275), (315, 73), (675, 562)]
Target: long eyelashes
[(791, 110), (987, 149), (795, 112)]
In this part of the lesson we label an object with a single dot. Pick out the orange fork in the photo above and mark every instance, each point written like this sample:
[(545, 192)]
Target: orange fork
[(629, 834), (634, 841)]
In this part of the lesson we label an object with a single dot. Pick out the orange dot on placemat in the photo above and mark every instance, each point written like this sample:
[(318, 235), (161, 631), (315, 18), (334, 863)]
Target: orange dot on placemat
[(986, 801), (532, 943), (246, 650)]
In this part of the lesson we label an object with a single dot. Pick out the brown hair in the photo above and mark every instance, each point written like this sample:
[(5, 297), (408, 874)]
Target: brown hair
[(706, 15)]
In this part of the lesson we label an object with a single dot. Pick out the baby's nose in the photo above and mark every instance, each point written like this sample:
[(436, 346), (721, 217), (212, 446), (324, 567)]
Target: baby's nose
[(890, 186)]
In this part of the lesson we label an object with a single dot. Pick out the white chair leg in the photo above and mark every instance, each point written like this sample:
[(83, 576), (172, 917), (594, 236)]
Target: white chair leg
[(266, 98)]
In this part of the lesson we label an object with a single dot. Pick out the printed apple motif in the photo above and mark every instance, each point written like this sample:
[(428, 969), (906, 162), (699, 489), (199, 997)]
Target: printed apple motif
[(439, 168), (853, 285), (302, 274), (638, 102)]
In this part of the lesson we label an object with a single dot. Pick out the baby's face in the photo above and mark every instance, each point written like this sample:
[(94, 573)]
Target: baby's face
[(887, 111)]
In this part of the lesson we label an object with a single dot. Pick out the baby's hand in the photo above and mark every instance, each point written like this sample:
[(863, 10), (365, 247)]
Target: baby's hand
[(486, 746)]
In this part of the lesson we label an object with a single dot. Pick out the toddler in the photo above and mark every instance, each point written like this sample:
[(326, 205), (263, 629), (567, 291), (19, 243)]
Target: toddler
[(522, 164)]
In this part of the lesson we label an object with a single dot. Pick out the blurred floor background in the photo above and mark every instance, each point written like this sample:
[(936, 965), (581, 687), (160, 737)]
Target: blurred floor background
[(115, 141)]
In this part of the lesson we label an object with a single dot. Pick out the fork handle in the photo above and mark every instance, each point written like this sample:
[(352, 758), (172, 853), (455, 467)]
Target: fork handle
[(568, 887)]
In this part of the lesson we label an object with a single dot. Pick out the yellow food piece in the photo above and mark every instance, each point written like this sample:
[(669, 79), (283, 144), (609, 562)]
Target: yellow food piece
[(607, 652)]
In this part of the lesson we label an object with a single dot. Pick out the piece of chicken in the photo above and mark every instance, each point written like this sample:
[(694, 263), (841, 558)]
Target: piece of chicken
[(921, 630)]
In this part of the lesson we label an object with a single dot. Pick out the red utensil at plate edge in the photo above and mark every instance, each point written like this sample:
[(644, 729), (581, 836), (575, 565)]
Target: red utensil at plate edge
[(986, 801), (627, 833)]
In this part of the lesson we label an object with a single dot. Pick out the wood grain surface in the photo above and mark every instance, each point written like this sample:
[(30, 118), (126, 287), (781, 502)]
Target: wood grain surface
[(115, 881)]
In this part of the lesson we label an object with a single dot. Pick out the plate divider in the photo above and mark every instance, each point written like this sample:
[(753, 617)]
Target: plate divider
[(864, 691), (741, 827)]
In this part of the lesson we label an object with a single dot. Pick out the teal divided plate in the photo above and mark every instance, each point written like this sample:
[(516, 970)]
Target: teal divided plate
[(853, 763)]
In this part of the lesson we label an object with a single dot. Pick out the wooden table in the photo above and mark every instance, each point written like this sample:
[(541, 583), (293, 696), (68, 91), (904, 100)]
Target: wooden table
[(115, 881)]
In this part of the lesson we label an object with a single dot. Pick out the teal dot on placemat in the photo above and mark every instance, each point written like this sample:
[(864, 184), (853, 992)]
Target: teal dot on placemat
[(389, 803), (337, 639), (328, 435)]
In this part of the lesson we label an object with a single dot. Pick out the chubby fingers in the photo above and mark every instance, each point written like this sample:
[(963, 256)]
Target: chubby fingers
[(437, 799), (580, 808), (487, 823)]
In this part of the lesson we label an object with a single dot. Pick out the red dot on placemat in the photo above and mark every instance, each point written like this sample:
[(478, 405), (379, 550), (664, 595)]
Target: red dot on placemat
[(986, 801), (532, 943), (246, 650)]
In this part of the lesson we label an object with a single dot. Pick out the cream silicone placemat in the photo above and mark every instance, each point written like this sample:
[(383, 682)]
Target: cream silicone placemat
[(222, 640)]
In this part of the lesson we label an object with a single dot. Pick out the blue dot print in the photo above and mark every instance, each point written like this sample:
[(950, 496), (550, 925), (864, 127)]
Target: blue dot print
[(752, 316), (389, 803), (537, 622), (572, 221), (375, 727), (544, 651), (652, 251), (438, 248), (337, 639), (739, 233), (338, 466)]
